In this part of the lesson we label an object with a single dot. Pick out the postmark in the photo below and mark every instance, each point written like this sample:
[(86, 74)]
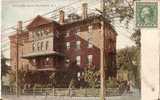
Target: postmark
[(147, 14)]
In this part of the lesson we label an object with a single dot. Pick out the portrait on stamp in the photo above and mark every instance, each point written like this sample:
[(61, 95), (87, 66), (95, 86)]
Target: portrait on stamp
[(146, 14)]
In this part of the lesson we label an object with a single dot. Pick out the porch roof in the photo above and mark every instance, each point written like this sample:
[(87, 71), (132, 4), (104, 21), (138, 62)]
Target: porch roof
[(39, 54)]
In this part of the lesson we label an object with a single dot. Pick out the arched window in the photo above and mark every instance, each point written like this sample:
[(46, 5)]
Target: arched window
[(42, 45), (38, 46), (33, 47), (47, 44)]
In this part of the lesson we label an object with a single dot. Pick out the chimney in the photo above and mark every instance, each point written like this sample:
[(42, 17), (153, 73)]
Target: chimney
[(19, 26), (84, 10), (61, 17)]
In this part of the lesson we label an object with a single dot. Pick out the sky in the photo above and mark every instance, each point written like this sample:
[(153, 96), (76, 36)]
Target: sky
[(15, 10)]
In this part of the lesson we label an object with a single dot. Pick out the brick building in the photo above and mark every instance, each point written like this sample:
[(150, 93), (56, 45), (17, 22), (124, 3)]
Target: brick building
[(48, 46)]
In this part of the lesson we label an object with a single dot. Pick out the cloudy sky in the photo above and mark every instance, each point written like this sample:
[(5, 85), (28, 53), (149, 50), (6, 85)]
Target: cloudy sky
[(15, 10)]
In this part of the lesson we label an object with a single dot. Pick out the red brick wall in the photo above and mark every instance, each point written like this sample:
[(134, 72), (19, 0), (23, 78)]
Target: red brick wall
[(13, 52)]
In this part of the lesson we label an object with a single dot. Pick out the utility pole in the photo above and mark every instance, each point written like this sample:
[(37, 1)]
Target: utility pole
[(19, 30), (102, 71)]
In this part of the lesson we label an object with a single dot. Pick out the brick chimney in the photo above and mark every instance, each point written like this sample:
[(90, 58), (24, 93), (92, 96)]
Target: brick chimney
[(19, 26), (61, 17), (84, 10)]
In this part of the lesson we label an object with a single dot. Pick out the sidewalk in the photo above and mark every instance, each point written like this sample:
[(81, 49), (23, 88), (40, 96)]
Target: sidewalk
[(69, 98)]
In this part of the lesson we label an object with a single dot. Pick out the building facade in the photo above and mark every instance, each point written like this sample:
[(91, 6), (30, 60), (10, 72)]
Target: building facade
[(48, 46)]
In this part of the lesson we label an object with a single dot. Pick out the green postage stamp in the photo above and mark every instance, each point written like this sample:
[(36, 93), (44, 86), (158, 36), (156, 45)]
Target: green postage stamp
[(146, 14)]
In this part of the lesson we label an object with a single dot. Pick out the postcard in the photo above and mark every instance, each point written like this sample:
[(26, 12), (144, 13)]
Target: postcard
[(80, 50)]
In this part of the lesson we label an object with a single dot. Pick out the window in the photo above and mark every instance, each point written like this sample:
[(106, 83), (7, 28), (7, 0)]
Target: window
[(67, 34), (78, 76), (47, 30), (90, 28), (67, 61), (38, 46), (47, 43), (37, 34), (47, 59), (78, 44), (40, 33), (90, 58), (78, 60), (89, 43), (41, 45), (78, 31), (33, 47), (33, 35), (34, 62), (68, 45)]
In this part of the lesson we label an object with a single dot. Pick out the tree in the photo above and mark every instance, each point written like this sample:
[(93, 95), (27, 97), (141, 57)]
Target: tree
[(136, 37), (4, 67), (129, 59), (121, 9)]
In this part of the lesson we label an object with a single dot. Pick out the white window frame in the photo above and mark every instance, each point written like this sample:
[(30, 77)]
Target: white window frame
[(90, 59), (68, 45), (78, 60)]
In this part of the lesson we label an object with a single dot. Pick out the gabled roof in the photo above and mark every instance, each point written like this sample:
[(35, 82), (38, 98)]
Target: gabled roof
[(39, 20)]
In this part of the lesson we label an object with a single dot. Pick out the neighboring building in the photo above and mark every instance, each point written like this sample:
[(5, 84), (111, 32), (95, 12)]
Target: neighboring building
[(48, 46)]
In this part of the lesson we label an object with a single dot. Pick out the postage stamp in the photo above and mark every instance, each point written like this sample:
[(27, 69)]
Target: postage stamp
[(146, 14)]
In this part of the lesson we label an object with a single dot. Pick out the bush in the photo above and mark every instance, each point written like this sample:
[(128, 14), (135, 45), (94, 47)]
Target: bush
[(91, 77), (111, 83)]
